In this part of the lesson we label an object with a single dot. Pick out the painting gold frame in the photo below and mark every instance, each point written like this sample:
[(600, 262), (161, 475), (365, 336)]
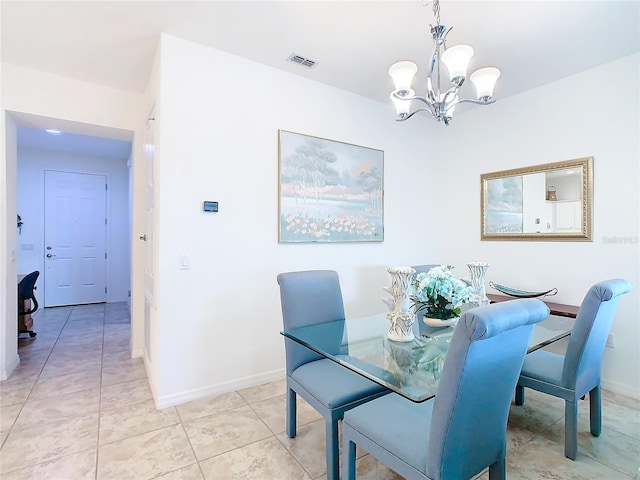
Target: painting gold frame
[(511, 207)]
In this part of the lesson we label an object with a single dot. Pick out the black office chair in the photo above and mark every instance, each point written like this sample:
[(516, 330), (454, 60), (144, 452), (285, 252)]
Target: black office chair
[(26, 291)]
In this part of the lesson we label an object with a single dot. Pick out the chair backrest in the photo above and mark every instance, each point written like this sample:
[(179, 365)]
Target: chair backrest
[(469, 422), (308, 298), (583, 357), (26, 289)]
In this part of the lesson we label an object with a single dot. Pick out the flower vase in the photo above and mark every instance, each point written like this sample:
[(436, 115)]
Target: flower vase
[(478, 271), (400, 313), (434, 322)]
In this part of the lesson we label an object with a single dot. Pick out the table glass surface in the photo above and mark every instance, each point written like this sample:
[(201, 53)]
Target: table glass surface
[(411, 369)]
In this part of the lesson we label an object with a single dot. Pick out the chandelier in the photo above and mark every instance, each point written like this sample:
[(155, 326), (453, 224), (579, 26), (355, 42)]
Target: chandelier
[(456, 59)]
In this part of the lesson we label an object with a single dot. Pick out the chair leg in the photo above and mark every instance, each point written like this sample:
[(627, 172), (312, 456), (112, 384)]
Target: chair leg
[(519, 395), (498, 470), (570, 429), (349, 461), (291, 413), (595, 411), (332, 448)]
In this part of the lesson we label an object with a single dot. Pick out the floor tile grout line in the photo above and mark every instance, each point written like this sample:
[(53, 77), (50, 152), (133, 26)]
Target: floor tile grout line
[(100, 399), (10, 430), (193, 450), (129, 437), (235, 448), (32, 465), (61, 330), (296, 458)]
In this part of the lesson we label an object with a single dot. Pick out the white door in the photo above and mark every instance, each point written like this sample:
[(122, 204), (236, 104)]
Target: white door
[(75, 232)]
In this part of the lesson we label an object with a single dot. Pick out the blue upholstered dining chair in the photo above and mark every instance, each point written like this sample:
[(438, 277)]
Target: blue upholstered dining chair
[(463, 430), (309, 298), (577, 372)]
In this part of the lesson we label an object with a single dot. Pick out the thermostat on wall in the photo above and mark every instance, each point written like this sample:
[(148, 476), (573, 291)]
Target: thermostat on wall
[(210, 206)]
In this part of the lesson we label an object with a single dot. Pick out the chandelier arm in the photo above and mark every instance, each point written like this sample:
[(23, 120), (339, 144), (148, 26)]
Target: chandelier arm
[(451, 93), (470, 100), (487, 101), (424, 100), (409, 115)]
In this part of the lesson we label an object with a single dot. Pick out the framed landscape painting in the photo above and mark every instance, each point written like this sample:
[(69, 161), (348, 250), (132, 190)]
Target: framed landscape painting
[(329, 191)]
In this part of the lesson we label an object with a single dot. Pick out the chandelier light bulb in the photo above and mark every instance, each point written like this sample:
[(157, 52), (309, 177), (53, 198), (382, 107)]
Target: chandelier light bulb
[(457, 60), (485, 80), (402, 74)]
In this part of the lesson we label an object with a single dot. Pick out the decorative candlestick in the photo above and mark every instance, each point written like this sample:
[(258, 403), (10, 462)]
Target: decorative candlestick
[(478, 271)]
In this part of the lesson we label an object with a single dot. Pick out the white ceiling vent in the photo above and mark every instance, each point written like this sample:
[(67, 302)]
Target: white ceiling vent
[(307, 62)]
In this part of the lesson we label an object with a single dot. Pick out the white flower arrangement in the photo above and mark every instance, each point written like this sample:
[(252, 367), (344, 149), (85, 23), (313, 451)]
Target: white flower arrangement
[(439, 293)]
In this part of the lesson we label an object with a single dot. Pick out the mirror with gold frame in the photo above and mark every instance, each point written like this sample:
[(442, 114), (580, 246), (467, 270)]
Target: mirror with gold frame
[(553, 201)]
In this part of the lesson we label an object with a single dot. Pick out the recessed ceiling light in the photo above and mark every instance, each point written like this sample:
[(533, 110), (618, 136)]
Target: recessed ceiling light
[(53, 131)]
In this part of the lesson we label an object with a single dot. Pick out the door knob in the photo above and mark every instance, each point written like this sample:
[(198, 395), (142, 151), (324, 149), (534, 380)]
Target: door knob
[(143, 237), (49, 255)]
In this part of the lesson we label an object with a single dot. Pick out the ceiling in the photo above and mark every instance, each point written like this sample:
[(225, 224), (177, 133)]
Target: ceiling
[(353, 42), (74, 143)]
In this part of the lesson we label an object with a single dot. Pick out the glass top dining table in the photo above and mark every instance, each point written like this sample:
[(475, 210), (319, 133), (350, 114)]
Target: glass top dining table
[(411, 369)]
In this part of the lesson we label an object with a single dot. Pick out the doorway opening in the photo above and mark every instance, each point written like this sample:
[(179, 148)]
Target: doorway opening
[(74, 192)]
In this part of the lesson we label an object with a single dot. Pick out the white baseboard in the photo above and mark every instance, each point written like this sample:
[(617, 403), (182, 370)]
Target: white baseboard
[(137, 353), (147, 368), (621, 389), (9, 367), (220, 388)]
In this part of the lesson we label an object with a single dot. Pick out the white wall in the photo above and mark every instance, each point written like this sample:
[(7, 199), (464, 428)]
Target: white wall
[(27, 94), (563, 120), (30, 194), (220, 320)]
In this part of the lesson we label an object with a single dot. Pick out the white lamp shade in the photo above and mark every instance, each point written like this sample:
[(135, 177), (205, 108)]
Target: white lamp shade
[(402, 74), (457, 60), (402, 106), (485, 80)]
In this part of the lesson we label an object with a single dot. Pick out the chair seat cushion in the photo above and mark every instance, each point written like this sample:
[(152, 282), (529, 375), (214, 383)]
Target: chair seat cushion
[(332, 384), (544, 366), (402, 425)]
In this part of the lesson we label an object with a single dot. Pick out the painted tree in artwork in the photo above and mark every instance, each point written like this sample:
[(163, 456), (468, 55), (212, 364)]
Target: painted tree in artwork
[(371, 182), (505, 194), (309, 169)]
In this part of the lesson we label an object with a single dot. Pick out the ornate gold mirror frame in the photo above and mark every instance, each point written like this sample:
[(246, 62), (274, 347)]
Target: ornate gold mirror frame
[(553, 201)]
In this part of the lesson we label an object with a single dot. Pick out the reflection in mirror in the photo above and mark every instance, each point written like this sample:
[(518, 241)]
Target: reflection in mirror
[(548, 202)]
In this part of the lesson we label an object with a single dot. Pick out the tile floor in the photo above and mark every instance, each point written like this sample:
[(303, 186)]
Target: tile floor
[(78, 407)]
